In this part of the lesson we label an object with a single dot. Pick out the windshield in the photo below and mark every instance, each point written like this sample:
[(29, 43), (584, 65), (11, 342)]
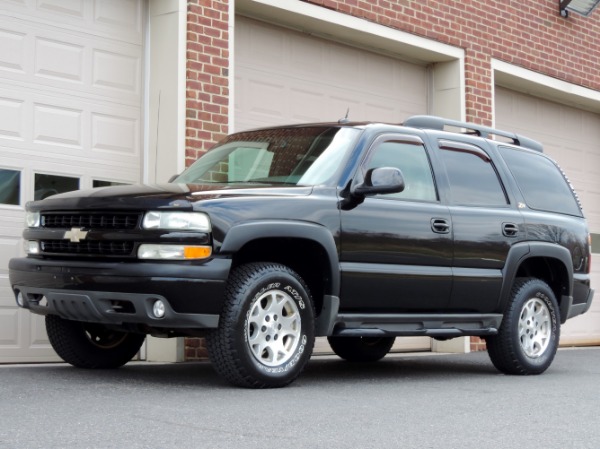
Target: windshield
[(292, 156)]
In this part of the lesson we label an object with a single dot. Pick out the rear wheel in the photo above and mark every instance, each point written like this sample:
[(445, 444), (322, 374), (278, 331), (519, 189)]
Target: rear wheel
[(266, 330), (361, 349), (527, 340), (89, 345)]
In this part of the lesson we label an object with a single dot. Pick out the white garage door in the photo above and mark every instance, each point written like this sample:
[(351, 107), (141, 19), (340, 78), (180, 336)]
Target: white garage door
[(283, 77), (70, 117), (570, 136)]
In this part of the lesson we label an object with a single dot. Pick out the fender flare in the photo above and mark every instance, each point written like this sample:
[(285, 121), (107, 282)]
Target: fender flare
[(520, 252), (240, 234)]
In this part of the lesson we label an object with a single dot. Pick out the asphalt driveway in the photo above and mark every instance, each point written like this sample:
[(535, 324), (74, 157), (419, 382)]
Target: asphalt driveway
[(403, 401)]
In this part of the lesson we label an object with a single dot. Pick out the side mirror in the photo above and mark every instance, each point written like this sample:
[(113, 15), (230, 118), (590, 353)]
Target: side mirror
[(380, 181)]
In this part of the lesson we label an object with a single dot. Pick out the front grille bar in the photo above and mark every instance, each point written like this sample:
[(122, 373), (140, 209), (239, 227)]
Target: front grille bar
[(109, 220), (87, 248)]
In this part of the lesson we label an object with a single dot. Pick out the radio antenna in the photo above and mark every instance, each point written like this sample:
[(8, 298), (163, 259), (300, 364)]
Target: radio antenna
[(345, 119)]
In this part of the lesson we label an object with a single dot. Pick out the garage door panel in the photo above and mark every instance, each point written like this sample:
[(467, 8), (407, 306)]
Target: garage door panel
[(57, 125), (304, 101), (61, 125), (12, 50), (592, 196), (585, 329), (116, 70), (10, 330), (12, 114), (48, 57), (122, 20), (115, 135), (58, 60)]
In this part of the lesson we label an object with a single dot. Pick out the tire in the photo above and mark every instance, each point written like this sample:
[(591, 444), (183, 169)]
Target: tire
[(361, 349), (528, 337), (89, 345), (266, 330)]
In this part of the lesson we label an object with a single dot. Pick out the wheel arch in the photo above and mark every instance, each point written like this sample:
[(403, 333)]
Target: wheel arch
[(307, 248), (546, 261)]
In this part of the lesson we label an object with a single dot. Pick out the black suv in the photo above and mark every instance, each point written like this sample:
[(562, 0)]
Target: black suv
[(360, 232)]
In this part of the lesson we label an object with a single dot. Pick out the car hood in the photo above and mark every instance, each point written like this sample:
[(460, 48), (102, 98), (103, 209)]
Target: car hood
[(159, 196)]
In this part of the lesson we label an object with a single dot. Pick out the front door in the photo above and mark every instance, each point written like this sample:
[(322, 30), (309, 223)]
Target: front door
[(396, 249)]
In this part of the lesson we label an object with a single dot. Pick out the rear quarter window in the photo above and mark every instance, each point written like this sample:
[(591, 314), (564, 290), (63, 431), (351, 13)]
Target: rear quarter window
[(541, 182)]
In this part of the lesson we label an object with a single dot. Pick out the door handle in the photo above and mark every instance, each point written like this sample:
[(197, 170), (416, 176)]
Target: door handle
[(440, 225), (510, 229)]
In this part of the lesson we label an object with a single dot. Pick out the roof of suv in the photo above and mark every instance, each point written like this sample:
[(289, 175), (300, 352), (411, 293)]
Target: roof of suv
[(430, 122)]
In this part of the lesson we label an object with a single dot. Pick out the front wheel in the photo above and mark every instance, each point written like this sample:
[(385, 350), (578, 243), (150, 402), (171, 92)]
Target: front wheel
[(266, 329), (89, 345), (527, 340), (361, 349)]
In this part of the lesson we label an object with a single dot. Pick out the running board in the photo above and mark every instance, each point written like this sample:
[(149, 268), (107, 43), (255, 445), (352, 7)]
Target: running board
[(428, 325)]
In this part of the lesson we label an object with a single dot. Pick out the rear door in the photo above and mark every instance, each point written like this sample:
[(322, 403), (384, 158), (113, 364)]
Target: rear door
[(396, 249), (485, 225)]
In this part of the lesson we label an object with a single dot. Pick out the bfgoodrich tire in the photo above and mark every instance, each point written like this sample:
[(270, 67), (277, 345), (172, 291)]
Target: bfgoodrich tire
[(527, 340), (88, 345), (266, 330), (361, 349)]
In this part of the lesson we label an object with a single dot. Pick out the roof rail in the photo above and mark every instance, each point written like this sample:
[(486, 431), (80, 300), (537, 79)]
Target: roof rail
[(439, 123)]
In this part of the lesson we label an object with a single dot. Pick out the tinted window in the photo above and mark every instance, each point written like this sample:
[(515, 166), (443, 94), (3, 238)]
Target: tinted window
[(412, 160), (473, 178), (541, 182), (48, 185), (10, 186), (101, 183), (292, 156)]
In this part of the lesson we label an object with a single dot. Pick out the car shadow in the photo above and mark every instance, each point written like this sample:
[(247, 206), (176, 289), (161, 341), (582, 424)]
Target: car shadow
[(320, 369)]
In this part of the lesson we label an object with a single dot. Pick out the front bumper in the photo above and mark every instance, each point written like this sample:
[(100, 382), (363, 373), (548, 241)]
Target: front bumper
[(122, 292)]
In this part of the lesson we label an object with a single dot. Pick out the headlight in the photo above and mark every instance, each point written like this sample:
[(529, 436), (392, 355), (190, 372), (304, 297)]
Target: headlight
[(188, 221), (32, 219)]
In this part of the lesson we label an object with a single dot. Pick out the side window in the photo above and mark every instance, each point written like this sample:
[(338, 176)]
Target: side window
[(412, 160), (473, 178), (542, 184)]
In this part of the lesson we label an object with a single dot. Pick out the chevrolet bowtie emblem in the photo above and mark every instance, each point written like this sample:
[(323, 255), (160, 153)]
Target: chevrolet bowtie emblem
[(75, 235)]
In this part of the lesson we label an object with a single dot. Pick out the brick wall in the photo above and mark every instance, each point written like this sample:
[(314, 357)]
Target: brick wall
[(207, 74)]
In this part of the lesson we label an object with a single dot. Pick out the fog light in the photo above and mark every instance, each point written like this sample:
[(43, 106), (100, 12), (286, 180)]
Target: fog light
[(20, 300), (31, 247), (158, 309)]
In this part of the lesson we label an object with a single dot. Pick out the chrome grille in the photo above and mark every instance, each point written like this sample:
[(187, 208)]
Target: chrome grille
[(110, 220)]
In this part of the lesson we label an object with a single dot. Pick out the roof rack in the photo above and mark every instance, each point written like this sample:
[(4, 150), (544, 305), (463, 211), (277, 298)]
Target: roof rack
[(439, 123)]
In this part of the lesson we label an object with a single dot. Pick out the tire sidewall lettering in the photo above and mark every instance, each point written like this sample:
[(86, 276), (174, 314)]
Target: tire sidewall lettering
[(540, 295), (300, 301)]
